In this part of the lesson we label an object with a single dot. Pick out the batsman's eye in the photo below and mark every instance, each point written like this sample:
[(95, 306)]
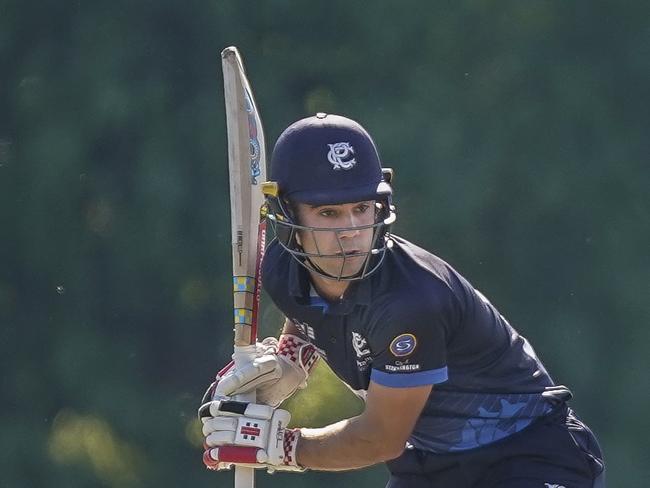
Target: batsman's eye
[(327, 213)]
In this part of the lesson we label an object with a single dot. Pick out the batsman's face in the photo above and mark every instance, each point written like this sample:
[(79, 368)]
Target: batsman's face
[(346, 243)]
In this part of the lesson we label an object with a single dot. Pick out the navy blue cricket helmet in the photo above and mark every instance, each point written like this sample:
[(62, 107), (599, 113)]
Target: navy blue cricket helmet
[(326, 160)]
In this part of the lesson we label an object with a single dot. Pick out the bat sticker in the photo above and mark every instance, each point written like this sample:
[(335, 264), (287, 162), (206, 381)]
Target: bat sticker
[(254, 142)]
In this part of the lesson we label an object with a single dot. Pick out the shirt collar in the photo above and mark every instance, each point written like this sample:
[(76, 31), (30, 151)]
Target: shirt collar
[(298, 280)]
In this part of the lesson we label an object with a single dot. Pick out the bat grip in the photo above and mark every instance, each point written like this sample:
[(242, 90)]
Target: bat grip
[(244, 477)]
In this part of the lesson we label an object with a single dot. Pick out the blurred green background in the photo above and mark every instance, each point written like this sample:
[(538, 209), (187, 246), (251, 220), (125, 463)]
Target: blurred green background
[(519, 135)]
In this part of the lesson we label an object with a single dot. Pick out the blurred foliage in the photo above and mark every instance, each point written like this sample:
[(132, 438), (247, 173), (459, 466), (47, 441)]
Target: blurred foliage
[(87, 440), (519, 135)]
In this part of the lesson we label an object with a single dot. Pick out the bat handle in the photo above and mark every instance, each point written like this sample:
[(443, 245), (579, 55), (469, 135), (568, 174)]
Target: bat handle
[(244, 477)]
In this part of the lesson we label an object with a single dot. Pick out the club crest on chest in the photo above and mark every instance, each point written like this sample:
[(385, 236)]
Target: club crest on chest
[(360, 346)]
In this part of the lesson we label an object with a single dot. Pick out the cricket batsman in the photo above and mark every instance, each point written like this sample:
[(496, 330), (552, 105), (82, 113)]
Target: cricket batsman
[(454, 396)]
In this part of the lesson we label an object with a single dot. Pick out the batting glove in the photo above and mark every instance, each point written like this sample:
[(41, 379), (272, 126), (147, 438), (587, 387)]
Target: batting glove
[(266, 347), (248, 434), (280, 368)]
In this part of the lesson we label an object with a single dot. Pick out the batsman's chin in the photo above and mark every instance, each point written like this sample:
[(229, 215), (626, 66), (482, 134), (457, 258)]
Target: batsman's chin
[(347, 267)]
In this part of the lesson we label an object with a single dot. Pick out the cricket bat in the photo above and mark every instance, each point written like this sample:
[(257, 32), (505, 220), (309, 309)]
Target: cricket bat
[(247, 172)]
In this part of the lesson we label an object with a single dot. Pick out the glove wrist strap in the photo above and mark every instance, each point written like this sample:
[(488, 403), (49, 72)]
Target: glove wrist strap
[(291, 439), (297, 351)]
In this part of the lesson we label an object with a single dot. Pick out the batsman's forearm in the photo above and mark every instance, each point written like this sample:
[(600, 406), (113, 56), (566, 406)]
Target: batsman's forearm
[(345, 445)]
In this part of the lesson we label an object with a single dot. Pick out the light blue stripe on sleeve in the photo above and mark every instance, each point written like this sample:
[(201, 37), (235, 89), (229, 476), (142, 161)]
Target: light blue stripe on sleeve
[(404, 380)]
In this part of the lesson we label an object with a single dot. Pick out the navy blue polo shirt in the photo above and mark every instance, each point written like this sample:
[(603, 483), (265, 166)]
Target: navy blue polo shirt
[(417, 321)]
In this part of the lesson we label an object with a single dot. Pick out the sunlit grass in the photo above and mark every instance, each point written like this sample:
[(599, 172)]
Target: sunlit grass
[(325, 400)]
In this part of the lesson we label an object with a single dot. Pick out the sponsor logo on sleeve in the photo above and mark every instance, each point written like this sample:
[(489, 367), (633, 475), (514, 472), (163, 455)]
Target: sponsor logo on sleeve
[(403, 345)]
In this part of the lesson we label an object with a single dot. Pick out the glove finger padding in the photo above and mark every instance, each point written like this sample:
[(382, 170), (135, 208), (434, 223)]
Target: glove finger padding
[(259, 372), (275, 376), (211, 424), (266, 347), (297, 358), (245, 433)]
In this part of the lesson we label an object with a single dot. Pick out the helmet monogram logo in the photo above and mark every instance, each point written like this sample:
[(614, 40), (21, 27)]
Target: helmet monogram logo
[(341, 155)]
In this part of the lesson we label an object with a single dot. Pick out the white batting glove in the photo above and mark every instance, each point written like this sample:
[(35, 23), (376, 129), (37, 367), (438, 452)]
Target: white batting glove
[(267, 346), (280, 368), (248, 434)]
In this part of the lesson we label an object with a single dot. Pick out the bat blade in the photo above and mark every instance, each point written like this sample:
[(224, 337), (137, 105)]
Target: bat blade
[(247, 171)]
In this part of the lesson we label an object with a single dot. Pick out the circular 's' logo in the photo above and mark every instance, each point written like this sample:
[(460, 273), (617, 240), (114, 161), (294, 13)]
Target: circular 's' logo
[(403, 345)]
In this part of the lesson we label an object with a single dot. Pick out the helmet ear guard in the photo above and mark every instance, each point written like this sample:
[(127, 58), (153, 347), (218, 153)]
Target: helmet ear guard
[(388, 212), (387, 174), (279, 213)]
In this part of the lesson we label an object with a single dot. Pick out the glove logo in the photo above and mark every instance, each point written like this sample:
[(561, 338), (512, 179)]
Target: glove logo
[(403, 345), (250, 430), (341, 155)]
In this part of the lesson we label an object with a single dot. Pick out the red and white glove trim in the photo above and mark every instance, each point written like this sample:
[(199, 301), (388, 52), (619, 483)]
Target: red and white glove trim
[(297, 351), (248, 434), (215, 458), (289, 445)]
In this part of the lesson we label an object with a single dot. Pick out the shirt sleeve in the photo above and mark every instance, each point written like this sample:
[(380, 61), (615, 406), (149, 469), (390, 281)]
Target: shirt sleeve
[(409, 339)]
